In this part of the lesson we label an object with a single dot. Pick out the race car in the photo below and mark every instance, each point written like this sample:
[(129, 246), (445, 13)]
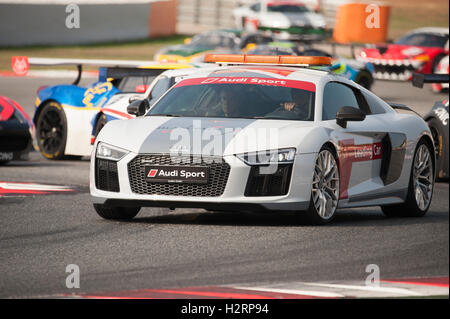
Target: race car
[(256, 134), (289, 20), (218, 41), (418, 51), (16, 131), (360, 72), (64, 113), (437, 119), (441, 68), (116, 107)]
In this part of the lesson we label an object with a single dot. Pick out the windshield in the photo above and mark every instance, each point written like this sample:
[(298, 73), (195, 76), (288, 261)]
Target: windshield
[(423, 39), (287, 8), (286, 99), (130, 83)]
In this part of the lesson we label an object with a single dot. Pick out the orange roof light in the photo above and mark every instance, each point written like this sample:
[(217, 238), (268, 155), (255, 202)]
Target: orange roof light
[(268, 59)]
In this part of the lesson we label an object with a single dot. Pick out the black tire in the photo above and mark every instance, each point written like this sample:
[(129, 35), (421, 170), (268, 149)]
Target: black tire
[(311, 216), (440, 147), (116, 213), (410, 208), (51, 131), (101, 121)]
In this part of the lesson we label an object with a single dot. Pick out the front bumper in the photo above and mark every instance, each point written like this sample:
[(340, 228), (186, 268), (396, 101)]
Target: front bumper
[(394, 69), (232, 198)]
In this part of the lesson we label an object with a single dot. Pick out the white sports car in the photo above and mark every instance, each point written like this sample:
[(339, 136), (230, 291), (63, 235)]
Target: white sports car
[(284, 19), (251, 137)]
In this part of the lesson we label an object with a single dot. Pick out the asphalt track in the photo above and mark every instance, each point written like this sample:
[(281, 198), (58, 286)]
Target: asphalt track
[(162, 252)]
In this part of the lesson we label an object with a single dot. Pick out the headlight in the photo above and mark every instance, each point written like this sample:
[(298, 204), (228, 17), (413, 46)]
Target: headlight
[(280, 156), (109, 152)]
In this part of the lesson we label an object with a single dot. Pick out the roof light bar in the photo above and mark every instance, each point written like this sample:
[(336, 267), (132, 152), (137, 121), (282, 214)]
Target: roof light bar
[(268, 59)]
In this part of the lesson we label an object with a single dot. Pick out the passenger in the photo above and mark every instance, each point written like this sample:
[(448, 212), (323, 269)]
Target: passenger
[(298, 108)]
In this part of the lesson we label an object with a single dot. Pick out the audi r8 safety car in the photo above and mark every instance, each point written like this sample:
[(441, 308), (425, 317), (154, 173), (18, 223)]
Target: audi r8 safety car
[(16, 131), (289, 20), (437, 119), (252, 135), (358, 71), (418, 51), (64, 113)]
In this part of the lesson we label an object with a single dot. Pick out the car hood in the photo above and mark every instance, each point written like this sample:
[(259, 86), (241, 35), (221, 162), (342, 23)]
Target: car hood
[(206, 136)]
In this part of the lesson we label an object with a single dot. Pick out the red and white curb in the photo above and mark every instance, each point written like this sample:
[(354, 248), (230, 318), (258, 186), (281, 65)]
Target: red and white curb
[(392, 288), (13, 189)]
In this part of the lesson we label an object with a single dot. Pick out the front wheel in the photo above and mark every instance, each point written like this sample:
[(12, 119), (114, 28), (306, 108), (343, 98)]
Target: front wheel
[(116, 213), (51, 131), (99, 125), (325, 188), (421, 184)]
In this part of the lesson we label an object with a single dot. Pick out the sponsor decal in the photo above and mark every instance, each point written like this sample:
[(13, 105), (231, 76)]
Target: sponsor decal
[(20, 65), (350, 153), (308, 86), (442, 114), (172, 174)]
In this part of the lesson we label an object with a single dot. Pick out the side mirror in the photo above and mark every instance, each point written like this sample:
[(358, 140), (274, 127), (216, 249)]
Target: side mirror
[(349, 113), (138, 107)]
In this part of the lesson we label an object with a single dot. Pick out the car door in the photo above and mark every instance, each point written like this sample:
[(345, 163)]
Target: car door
[(360, 144)]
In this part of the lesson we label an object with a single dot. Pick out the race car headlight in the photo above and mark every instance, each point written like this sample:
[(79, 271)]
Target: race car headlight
[(109, 152), (280, 156)]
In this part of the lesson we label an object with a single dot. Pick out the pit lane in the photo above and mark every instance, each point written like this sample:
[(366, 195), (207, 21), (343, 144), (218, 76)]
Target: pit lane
[(41, 235)]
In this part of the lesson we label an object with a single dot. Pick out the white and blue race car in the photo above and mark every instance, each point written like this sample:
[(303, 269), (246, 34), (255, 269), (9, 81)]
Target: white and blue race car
[(264, 133)]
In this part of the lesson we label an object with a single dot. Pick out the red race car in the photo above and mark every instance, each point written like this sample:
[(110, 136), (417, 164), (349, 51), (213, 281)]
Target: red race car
[(16, 131), (418, 51)]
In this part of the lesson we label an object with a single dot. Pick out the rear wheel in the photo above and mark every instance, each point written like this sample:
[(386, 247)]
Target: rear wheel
[(325, 188), (51, 131), (421, 183), (116, 213)]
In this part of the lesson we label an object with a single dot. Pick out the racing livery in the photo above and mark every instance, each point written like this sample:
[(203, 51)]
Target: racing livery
[(418, 51), (441, 68), (16, 131), (290, 20), (252, 137)]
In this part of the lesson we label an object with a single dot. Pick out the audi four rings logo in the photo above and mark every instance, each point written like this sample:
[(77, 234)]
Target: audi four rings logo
[(152, 173)]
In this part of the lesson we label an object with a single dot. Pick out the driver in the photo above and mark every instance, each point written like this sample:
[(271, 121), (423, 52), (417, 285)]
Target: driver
[(228, 105)]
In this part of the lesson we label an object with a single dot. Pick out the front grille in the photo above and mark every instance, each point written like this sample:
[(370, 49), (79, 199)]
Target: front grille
[(106, 177), (275, 184), (218, 176)]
